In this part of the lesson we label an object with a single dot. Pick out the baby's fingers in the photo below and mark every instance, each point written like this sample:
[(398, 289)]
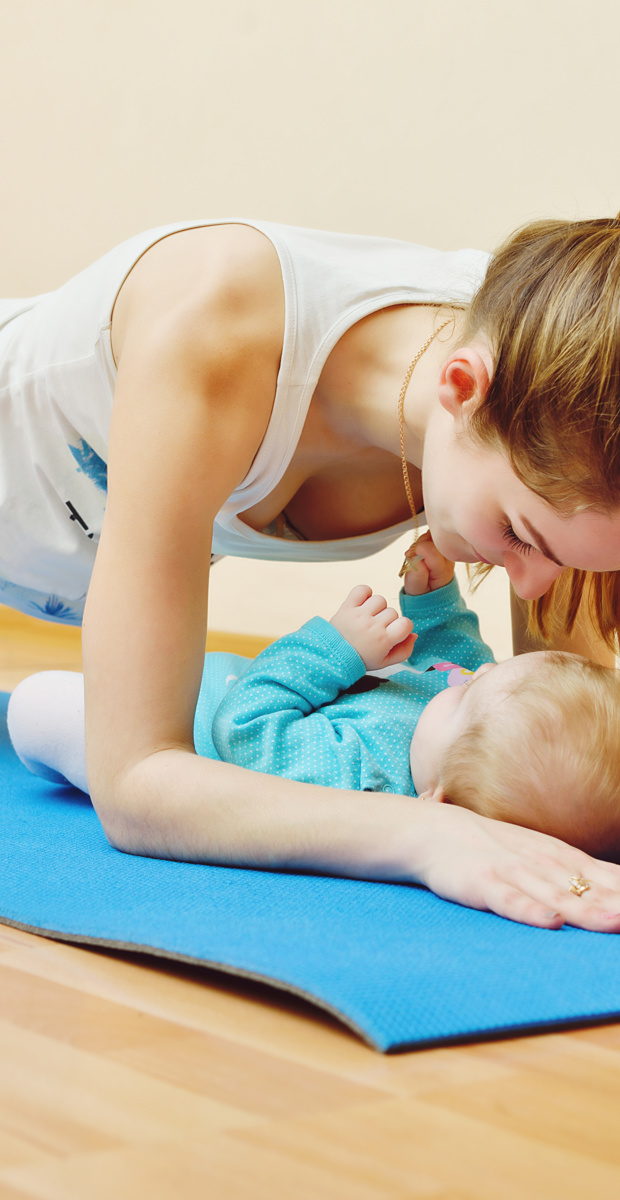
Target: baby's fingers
[(386, 616), (400, 636), (416, 577), (439, 568), (375, 604), (396, 628), (357, 596), (400, 652)]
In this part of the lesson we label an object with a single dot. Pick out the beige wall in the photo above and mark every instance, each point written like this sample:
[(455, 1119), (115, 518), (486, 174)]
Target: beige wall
[(444, 123)]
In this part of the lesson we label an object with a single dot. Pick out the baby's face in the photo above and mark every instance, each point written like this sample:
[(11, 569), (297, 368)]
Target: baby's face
[(449, 712)]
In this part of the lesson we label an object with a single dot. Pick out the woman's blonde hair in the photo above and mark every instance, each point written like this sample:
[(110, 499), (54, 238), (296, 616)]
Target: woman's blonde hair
[(548, 757), (550, 308)]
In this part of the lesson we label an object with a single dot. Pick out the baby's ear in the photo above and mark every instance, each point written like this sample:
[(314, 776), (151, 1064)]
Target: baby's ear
[(438, 795)]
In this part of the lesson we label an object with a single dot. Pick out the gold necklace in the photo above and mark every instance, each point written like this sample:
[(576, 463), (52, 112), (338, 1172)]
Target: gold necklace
[(410, 562)]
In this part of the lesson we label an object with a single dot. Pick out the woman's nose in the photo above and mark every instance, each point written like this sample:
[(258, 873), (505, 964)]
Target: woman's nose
[(530, 577)]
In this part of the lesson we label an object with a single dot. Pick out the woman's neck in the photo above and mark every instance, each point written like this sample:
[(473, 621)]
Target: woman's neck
[(360, 384)]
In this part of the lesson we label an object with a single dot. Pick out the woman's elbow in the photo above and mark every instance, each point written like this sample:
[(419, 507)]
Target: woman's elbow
[(126, 803), (121, 819), (163, 806)]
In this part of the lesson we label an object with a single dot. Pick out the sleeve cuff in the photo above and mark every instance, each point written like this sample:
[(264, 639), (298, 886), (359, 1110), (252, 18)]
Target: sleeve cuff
[(430, 602), (345, 661)]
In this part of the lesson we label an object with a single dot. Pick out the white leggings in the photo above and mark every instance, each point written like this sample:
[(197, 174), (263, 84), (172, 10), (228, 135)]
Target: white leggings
[(46, 726)]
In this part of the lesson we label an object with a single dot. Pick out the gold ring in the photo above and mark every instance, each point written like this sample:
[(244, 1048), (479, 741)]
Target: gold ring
[(409, 564), (578, 885)]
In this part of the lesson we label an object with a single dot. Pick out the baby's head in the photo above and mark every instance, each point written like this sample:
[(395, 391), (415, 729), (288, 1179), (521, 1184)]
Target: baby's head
[(534, 740)]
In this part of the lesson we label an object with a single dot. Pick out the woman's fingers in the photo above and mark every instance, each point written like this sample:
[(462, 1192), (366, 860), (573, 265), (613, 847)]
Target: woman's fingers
[(544, 898), (598, 908), (516, 872), (546, 906), (592, 918), (511, 902), (607, 873)]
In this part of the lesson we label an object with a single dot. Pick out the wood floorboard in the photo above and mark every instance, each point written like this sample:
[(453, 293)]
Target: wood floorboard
[(123, 1075)]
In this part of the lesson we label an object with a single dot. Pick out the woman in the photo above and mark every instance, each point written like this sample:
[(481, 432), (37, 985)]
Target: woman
[(195, 331)]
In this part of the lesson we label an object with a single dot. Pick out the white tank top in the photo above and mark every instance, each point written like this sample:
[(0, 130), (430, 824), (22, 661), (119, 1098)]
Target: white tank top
[(57, 378)]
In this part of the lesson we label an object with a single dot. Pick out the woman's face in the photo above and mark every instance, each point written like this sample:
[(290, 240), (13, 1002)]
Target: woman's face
[(479, 511)]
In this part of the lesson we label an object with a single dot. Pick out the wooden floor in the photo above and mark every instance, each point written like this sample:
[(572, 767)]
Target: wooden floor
[(122, 1077)]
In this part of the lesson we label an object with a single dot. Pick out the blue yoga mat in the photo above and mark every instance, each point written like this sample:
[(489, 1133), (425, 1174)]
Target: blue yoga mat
[(399, 966)]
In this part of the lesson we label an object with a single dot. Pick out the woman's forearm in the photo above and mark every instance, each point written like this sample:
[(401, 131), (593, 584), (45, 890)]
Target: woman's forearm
[(176, 805)]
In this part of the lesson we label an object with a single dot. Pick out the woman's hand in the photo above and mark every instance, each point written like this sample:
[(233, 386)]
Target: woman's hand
[(430, 570), (516, 872)]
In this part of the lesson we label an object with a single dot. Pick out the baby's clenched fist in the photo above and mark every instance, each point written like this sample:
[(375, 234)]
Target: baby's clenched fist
[(380, 636)]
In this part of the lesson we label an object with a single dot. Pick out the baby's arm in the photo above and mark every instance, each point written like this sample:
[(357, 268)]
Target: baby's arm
[(46, 710), (447, 629), (279, 717), (271, 719)]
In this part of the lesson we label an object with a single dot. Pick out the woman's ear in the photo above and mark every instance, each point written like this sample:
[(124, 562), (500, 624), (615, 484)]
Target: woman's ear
[(464, 379)]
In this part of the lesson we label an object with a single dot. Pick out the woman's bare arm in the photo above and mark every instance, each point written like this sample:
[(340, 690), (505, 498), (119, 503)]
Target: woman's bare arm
[(196, 380), (195, 389)]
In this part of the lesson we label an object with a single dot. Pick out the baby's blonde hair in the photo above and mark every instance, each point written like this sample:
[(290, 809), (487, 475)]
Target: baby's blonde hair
[(549, 757)]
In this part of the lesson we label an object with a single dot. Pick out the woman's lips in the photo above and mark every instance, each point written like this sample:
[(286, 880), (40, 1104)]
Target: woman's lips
[(481, 559)]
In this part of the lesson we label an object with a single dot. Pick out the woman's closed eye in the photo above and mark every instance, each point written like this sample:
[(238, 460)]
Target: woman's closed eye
[(514, 541)]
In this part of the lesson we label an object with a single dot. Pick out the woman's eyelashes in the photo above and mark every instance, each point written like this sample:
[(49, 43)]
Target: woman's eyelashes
[(515, 542)]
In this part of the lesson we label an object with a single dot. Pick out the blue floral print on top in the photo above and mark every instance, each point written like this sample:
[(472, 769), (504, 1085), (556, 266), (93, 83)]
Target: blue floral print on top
[(39, 604), (89, 463)]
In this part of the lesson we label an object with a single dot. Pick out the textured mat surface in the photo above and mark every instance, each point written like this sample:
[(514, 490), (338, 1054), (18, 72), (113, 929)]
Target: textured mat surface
[(398, 965)]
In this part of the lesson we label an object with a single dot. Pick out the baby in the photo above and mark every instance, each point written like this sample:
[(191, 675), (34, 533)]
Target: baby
[(350, 703)]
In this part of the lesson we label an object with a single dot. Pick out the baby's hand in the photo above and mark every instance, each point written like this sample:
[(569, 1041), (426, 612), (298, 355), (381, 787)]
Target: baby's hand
[(379, 635), (430, 570)]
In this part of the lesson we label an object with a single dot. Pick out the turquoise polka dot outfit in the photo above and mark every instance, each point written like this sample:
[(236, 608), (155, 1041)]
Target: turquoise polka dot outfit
[(307, 710)]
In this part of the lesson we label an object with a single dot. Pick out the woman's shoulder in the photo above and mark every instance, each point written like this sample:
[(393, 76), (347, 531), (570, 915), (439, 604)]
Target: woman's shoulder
[(220, 279)]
